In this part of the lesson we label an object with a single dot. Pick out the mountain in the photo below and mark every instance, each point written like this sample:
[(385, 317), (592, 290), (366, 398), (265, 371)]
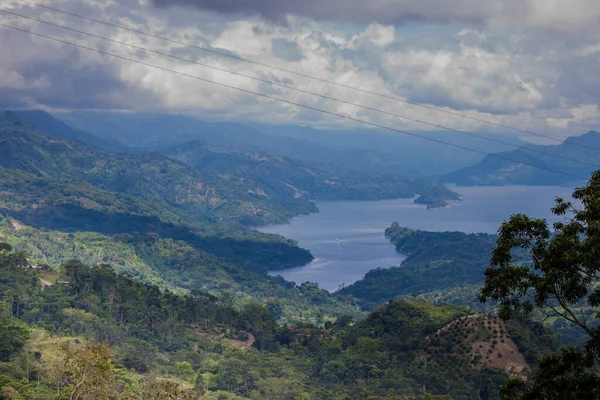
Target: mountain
[(251, 187), (149, 217), (54, 127), (138, 342), (441, 268), (447, 264), (573, 160), (200, 195), (366, 150), (317, 181)]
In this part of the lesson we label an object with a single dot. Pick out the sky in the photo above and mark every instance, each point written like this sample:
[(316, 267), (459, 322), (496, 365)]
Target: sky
[(532, 64)]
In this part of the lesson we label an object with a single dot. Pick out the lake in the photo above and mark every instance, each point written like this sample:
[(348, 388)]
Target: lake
[(347, 237)]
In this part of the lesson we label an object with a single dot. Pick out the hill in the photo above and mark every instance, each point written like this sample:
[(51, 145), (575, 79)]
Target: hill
[(272, 187), (488, 342), (440, 266), (317, 181), (149, 177), (211, 346), (366, 150), (47, 123), (443, 268), (495, 171)]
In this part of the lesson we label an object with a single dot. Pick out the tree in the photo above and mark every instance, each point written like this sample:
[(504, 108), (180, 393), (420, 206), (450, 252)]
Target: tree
[(12, 336), (137, 354), (85, 372), (560, 278), (161, 389), (5, 248)]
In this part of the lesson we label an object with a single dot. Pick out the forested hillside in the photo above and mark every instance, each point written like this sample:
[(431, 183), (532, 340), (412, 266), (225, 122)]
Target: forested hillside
[(214, 348), (195, 194), (61, 200), (445, 267), (277, 177), (318, 181)]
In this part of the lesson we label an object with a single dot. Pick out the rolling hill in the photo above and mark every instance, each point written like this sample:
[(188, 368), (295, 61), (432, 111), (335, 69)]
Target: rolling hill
[(283, 175)]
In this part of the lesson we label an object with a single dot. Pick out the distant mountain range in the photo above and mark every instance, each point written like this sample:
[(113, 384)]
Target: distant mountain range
[(250, 176), (577, 157), (283, 175), (365, 150), (57, 128), (200, 196)]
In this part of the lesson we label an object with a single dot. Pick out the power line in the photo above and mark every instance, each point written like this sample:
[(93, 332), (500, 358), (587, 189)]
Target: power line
[(289, 71), (583, 162), (308, 107)]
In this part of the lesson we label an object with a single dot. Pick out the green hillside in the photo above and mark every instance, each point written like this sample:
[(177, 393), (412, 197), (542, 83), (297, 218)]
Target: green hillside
[(196, 195), (204, 346), (286, 176), (441, 266)]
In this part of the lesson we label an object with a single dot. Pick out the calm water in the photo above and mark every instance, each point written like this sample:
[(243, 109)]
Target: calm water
[(347, 237)]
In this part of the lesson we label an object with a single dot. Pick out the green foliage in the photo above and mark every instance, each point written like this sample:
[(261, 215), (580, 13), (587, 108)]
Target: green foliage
[(199, 338), (569, 375), (560, 279), (437, 261), (12, 335), (152, 218), (279, 175)]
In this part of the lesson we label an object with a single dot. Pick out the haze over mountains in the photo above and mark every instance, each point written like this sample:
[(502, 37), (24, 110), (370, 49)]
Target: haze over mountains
[(355, 150), (577, 156), (359, 149), (180, 180)]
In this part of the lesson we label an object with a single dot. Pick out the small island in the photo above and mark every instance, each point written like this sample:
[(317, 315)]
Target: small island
[(431, 202)]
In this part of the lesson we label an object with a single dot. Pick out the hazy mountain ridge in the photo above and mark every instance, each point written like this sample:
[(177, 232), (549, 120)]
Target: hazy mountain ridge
[(263, 179), (574, 160), (317, 181), (152, 177), (47, 123), (355, 149)]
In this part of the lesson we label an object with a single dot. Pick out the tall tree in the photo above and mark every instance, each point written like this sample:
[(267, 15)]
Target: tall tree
[(561, 278)]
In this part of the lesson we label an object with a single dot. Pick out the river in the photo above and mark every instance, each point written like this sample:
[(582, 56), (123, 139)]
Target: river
[(347, 237)]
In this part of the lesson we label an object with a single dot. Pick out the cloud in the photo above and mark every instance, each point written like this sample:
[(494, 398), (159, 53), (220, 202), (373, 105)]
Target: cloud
[(382, 11), (563, 15), (540, 78), (286, 49)]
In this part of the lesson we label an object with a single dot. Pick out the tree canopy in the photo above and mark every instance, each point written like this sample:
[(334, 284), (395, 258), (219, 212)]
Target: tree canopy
[(560, 278)]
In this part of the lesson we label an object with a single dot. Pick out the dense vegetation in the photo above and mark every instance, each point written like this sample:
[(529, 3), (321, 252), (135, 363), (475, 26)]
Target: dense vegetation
[(170, 296), (560, 280), (201, 196), (444, 268), (318, 181), (439, 265), (174, 264), (204, 344), (61, 200)]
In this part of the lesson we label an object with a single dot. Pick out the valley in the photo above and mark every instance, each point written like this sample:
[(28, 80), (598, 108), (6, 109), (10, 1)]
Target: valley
[(347, 237), (299, 200), (220, 273)]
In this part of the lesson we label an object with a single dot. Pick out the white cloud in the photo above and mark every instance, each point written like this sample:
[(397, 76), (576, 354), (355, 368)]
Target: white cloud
[(540, 76)]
